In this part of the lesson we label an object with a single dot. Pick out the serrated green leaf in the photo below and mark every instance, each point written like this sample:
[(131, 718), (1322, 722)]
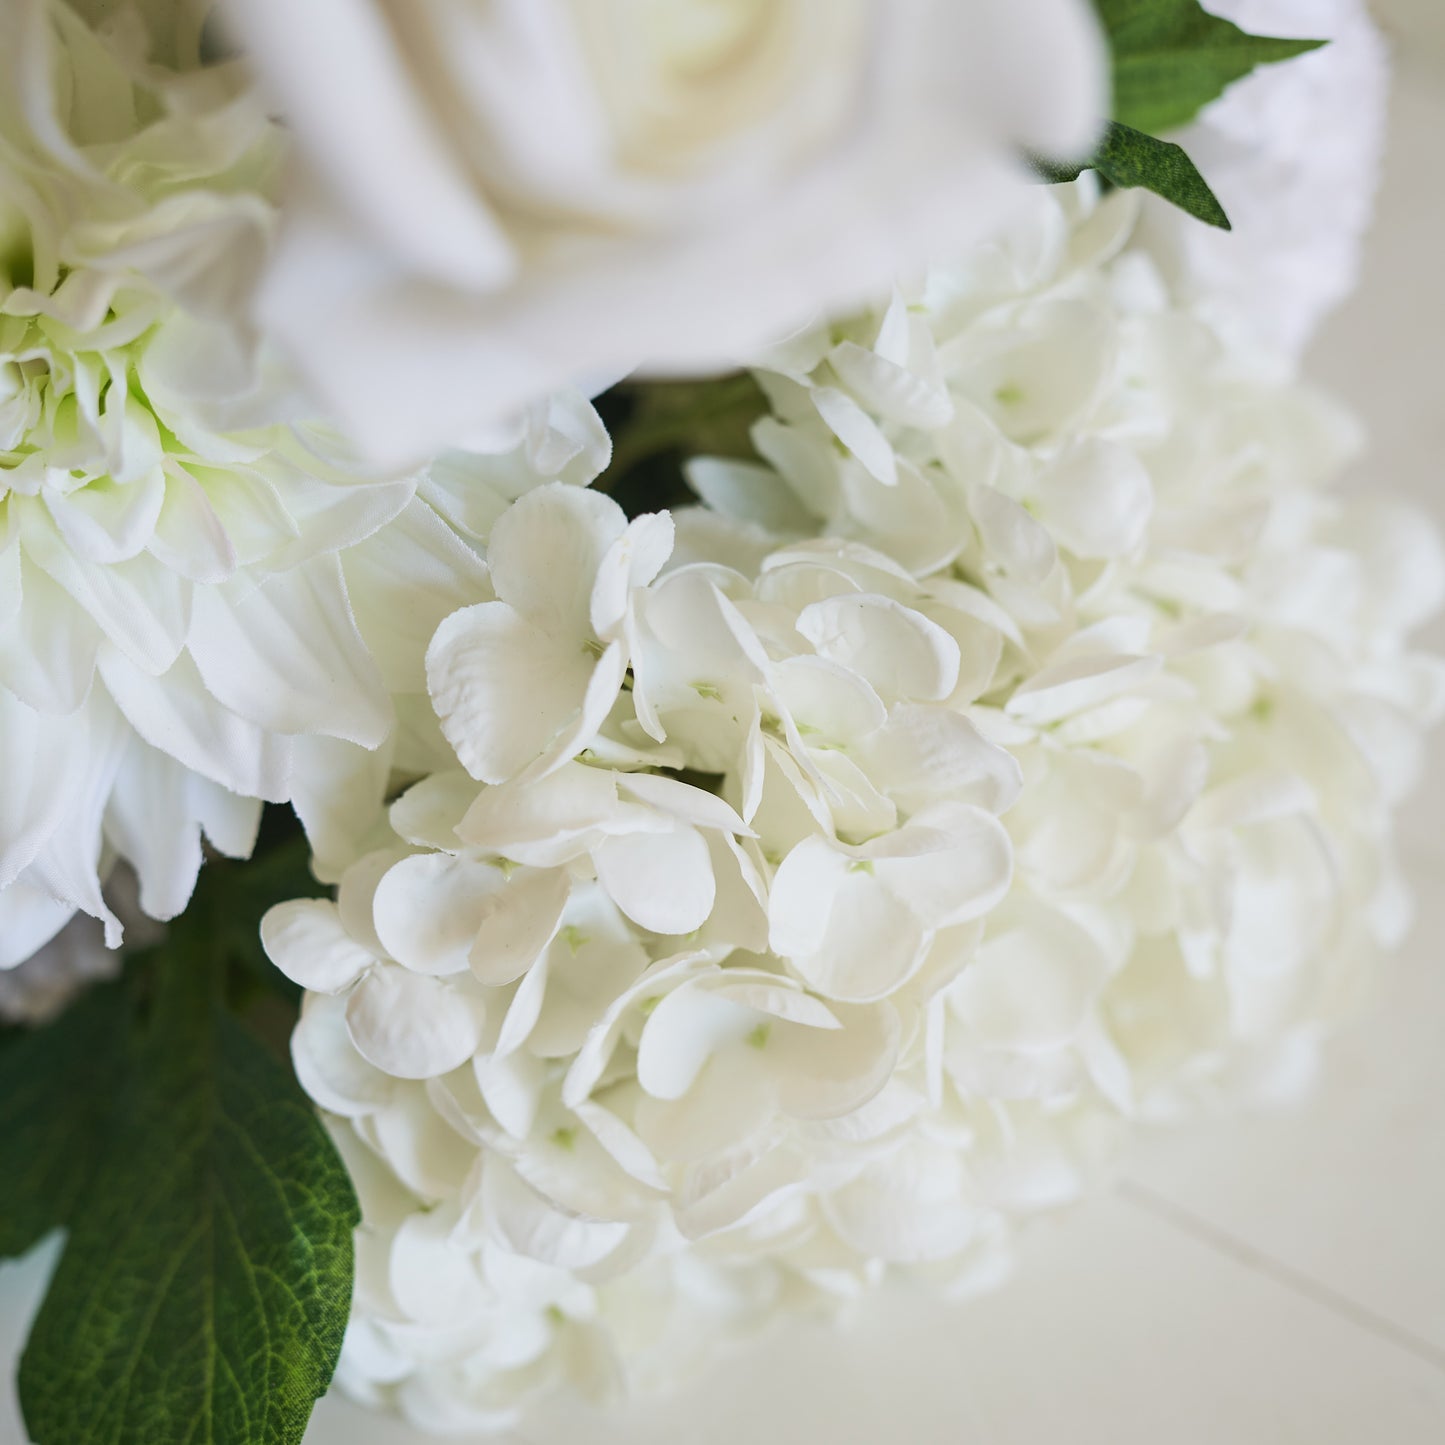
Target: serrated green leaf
[(1172, 57), (1128, 159), (57, 1087), (205, 1284)]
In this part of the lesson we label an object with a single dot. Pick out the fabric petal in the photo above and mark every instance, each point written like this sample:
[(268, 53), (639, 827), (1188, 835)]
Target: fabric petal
[(284, 653), (411, 1026), (305, 939), (662, 881), (428, 909), (503, 688), (327, 1064), (516, 923), (897, 650)]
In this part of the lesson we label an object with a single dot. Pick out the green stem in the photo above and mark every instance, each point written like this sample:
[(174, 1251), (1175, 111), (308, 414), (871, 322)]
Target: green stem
[(663, 429)]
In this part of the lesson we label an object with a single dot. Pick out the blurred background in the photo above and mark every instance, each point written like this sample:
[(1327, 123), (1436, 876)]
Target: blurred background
[(1258, 1283)]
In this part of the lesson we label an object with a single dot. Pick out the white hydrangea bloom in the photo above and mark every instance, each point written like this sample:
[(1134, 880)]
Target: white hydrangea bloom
[(1008, 755), (203, 603)]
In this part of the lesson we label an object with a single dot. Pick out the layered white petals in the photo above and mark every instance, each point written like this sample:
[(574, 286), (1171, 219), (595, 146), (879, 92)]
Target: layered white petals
[(202, 593), (526, 681), (665, 209), (1009, 758)]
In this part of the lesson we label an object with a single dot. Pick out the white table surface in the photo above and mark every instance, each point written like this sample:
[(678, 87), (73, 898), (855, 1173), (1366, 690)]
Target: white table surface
[(1277, 1281)]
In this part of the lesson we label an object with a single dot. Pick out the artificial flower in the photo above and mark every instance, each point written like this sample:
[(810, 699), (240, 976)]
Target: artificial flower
[(1008, 754), (204, 602), (493, 201)]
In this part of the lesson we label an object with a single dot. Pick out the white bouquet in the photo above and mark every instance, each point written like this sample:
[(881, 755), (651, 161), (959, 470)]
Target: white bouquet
[(757, 833)]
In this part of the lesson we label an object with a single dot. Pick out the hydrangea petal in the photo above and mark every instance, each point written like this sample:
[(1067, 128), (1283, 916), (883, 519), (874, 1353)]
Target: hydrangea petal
[(410, 1025), (429, 908), (305, 939)]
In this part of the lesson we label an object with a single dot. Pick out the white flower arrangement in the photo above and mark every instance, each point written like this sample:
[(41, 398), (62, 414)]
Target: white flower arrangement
[(697, 912), (802, 908), (206, 605)]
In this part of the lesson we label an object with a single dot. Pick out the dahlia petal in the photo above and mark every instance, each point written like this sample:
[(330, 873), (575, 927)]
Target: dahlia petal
[(337, 789), (150, 818), (39, 754), (405, 581), (284, 653), (143, 609), (48, 650), (182, 719), (29, 918), (109, 521)]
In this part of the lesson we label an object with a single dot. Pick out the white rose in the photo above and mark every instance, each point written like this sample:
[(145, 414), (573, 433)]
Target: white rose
[(496, 196)]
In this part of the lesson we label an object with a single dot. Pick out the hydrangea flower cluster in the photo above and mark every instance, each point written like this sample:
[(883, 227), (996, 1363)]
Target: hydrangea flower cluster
[(812, 882)]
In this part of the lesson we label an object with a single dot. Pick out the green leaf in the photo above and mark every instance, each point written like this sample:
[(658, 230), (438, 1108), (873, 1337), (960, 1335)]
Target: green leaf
[(238, 894), (56, 1097), (1172, 57), (1127, 158), (206, 1281)]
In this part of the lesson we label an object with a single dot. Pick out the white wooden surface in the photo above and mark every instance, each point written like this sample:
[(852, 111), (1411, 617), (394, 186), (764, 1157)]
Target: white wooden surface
[(1261, 1284)]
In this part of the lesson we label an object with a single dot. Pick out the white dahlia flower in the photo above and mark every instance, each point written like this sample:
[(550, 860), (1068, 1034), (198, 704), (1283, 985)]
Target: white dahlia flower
[(495, 200), (1008, 755), (203, 604)]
